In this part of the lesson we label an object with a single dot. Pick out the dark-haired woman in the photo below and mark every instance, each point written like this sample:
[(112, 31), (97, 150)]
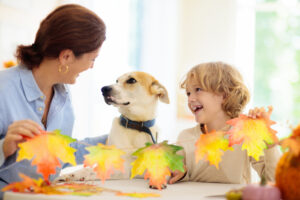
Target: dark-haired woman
[(34, 96)]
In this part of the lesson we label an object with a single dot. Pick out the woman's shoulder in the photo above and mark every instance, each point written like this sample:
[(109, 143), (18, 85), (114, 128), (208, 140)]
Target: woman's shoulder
[(8, 77)]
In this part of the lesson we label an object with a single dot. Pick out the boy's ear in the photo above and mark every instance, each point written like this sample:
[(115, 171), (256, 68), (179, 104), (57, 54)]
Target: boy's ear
[(66, 56), (160, 91), (224, 97)]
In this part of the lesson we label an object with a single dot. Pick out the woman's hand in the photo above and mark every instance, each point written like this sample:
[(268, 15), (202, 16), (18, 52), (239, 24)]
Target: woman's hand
[(260, 112), (177, 175), (17, 132)]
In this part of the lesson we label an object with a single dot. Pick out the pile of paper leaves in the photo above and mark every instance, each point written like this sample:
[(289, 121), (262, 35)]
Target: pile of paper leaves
[(49, 148), (155, 161), (255, 135)]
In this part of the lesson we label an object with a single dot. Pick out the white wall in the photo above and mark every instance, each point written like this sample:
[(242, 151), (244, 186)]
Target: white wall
[(159, 44), (93, 117), (176, 35), (214, 30), (19, 21)]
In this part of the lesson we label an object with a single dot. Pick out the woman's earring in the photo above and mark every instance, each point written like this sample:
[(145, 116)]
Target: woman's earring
[(60, 70)]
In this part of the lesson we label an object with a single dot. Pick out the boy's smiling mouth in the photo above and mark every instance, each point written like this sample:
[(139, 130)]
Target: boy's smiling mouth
[(196, 108)]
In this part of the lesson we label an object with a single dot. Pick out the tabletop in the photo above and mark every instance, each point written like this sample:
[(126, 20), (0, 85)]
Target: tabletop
[(182, 190)]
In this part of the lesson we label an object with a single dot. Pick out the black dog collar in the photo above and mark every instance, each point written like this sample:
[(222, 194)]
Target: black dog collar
[(140, 126)]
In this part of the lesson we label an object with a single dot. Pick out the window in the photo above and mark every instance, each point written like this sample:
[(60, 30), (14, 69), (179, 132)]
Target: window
[(277, 61)]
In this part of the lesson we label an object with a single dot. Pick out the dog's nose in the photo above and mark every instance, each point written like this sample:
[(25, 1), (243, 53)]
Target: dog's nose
[(106, 90)]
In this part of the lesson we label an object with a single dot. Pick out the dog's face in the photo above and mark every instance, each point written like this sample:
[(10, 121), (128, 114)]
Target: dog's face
[(135, 94)]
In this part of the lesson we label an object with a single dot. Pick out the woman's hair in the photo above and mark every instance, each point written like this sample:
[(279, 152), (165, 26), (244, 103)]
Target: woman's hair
[(69, 26), (222, 79)]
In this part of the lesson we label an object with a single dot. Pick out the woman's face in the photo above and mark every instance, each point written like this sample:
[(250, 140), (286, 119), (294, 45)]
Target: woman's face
[(80, 64)]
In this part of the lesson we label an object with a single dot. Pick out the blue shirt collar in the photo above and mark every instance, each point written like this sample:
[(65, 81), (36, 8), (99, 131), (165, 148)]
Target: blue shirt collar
[(30, 87)]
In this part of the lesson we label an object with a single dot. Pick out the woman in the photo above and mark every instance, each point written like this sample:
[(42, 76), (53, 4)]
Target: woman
[(34, 95)]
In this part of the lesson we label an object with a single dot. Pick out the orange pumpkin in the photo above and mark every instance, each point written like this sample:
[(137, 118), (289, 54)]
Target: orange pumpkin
[(288, 168)]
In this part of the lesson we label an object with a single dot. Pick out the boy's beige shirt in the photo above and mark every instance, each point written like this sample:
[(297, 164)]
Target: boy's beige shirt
[(234, 167)]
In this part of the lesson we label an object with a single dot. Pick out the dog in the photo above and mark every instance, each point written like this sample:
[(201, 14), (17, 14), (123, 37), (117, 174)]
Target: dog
[(136, 95)]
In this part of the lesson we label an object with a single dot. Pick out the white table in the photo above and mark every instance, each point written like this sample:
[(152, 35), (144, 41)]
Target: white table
[(183, 190)]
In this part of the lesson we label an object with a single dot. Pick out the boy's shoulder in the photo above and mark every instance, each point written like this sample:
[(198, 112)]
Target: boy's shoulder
[(190, 132)]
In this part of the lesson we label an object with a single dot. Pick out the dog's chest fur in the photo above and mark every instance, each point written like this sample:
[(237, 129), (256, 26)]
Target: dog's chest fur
[(128, 139)]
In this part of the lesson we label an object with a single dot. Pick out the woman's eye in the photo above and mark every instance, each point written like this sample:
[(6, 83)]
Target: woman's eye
[(131, 81), (198, 89), (188, 94)]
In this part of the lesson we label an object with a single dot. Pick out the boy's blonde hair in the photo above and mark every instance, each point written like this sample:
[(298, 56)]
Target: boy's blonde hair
[(222, 79)]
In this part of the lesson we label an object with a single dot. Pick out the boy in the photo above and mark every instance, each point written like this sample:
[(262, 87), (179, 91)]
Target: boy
[(216, 93)]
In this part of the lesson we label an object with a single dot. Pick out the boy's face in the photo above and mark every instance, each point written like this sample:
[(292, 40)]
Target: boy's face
[(206, 106)]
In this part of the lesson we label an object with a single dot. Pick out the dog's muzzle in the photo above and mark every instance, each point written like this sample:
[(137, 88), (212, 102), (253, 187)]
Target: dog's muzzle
[(106, 92)]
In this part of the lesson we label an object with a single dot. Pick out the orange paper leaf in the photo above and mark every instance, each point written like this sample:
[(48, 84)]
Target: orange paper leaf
[(211, 147), (45, 150), (29, 185), (106, 158), (253, 133), (9, 64), (293, 142), (157, 160)]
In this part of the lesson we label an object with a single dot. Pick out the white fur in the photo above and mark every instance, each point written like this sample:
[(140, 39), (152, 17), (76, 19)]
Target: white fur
[(142, 96)]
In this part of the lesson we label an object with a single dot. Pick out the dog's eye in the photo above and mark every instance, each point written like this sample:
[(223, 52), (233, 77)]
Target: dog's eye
[(131, 81)]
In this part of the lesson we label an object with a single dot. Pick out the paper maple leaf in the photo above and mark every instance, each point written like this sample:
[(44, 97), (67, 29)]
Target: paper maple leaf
[(107, 158), (210, 147), (79, 189), (9, 63), (157, 160), (253, 133), (29, 185), (138, 195), (46, 149), (293, 142)]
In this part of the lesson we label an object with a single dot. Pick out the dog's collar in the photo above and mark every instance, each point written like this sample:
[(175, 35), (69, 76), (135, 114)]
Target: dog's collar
[(140, 126)]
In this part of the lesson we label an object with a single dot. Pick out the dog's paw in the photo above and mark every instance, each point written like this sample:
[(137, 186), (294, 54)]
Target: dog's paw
[(85, 174), (156, 188), (66, 178)]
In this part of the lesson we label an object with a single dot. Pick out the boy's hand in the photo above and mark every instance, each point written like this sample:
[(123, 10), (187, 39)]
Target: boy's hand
[(16, 133), (177, 175), (260, 112)]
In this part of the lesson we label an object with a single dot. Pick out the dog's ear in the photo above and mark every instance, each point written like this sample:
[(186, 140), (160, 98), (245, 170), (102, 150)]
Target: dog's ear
[(160, 91)]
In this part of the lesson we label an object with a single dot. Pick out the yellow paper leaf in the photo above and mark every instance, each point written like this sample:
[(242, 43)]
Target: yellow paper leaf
[(211, 147), (157, 160), (138, 195), (253, 133), (106, 158)]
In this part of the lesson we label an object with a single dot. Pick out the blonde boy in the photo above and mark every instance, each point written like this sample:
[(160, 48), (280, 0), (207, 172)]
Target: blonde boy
[(216, 93)]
